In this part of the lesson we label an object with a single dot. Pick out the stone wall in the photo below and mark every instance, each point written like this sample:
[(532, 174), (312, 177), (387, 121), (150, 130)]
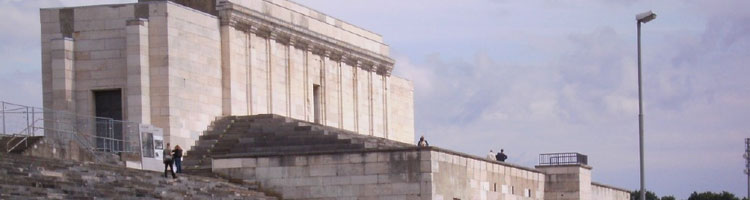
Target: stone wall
[(401, 109), (605, 192), (194, 73), (459, 176), (398, 174), (404, 173)]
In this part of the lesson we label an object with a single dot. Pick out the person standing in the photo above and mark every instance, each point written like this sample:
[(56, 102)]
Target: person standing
[(168, 161), (177, 157), (422, 142), (491, 155), (501, 156)]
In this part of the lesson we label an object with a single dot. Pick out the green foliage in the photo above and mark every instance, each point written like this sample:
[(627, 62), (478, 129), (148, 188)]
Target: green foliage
[(712, 196), (636, 195), (668, 198)]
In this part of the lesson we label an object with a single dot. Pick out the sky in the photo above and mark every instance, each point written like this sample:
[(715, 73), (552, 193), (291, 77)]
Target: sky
[(537, 77)]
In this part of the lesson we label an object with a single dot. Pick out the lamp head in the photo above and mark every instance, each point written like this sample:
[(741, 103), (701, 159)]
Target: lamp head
[(645, 17)]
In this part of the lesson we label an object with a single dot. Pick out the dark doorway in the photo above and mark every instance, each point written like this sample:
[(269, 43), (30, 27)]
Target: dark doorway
[(316, 103), (108, 109)]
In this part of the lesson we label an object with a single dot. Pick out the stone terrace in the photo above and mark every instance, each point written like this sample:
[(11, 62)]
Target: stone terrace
[(269, 135), (301, 160)]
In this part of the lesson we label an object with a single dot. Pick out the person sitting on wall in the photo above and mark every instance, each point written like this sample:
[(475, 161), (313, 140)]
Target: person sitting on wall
[(422, 142), (501, 156), (491, 155)]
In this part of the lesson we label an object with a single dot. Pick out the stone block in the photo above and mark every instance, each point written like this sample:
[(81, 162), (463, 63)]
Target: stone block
[(336, 180), (226, 163), (350, 169), (376, 168), (371, 157), (322, 170), (365, 179)]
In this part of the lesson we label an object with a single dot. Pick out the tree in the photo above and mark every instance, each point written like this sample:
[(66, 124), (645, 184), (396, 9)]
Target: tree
[(668, 198), (636, 195), (724, 195)]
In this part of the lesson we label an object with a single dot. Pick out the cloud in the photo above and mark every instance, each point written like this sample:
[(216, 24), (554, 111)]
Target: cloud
[(538, 77), (585, 100)]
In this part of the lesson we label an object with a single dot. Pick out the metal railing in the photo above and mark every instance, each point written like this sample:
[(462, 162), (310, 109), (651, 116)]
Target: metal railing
[(551, 159), (61, 128)]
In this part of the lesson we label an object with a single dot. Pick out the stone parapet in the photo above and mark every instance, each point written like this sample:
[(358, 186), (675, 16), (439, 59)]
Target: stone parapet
[(401, 173)]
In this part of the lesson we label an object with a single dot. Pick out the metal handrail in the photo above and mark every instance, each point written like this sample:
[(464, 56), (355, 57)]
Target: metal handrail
[(10, 148), (570, 158), (65, 126)]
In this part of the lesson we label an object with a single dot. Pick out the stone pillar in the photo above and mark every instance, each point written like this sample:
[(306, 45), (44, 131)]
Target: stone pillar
[(63, 74), (138, 101), (234, 71), (355, 79), (386, 108), (567, 182), (370, 99)]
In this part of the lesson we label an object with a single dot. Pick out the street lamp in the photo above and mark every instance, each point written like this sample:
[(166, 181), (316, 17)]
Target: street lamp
[(747, 164), (641, 18)]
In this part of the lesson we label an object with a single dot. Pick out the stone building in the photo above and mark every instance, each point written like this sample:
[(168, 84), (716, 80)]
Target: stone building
[(275, 93), (180, 64)]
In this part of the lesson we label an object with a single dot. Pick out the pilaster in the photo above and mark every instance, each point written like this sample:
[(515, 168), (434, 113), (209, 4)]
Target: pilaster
[(138, 91), (234, 74), (63, 74)]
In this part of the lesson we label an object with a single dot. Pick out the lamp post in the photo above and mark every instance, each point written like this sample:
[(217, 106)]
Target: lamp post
[(747, 164), (641, 18)]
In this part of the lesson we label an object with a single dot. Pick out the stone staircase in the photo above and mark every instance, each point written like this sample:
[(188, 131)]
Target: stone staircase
[(17, 141), (24, 177), (268, 134)]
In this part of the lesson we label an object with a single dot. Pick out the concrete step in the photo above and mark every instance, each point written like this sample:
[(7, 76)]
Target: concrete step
[(297, 148)]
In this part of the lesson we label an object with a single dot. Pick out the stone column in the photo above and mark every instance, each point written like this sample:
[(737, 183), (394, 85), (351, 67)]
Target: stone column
[(355, 79), (567, 182), (339, 81), (386, 107), (370, 99), (324, 59), (138, 101), (63, 74), (234, 76)]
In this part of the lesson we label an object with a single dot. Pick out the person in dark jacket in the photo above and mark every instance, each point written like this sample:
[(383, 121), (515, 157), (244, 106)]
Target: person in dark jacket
[(501, 156), (422, 142), (168, 162), (177, 157)]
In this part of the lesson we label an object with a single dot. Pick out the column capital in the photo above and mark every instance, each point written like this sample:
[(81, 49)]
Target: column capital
[(334, 55)]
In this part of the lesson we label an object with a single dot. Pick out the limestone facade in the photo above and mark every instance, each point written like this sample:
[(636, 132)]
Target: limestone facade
[(179, 67), (412, 173), (407, 173)]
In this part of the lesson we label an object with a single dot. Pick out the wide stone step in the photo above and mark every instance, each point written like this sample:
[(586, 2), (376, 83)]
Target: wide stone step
[(293, 141), (297, 148), (209, 137)]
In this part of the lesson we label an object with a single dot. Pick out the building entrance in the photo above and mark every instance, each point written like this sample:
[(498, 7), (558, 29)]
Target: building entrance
[(108, 108)]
